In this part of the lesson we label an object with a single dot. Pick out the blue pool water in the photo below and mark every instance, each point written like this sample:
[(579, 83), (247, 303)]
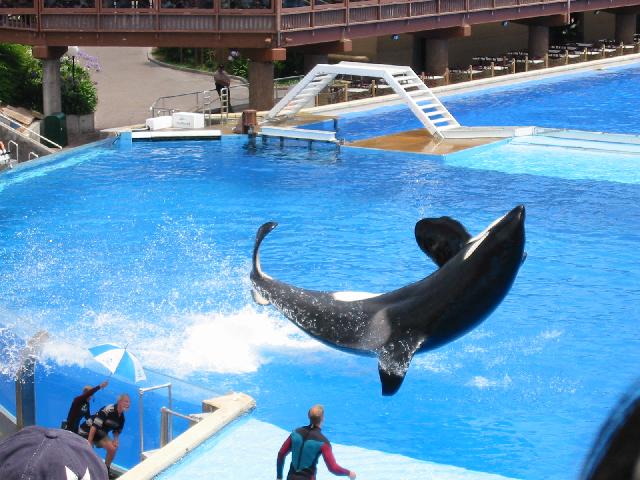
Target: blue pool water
[(585, 101), (151, 247)]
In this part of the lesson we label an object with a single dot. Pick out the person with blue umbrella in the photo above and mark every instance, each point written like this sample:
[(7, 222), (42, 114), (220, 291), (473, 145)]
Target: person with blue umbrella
[(80, 407), (109, 418)]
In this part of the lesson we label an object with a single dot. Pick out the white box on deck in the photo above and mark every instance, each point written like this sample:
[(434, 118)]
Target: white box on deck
[(158, 123), (188, 120)]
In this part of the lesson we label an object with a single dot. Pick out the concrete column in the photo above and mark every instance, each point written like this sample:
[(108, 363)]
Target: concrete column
[(260, 85), (625, 27), (419, 55), (437, 56), (311, 60), (51, 87), (538, 40), (51, 80)]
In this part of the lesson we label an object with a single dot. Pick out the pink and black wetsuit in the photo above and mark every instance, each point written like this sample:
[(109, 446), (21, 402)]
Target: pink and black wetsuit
[(306, 444)]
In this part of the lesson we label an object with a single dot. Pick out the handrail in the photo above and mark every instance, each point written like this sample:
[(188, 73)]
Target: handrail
[(141, 392), (9, 143), (166, 434), (203, 99), (11, 121), (208, 97)]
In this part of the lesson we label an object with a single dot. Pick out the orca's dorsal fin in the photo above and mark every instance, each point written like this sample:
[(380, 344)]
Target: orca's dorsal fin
[(394, 359), (441, 238)]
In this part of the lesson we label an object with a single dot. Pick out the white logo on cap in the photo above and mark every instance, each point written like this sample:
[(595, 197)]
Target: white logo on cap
[(73, 476)]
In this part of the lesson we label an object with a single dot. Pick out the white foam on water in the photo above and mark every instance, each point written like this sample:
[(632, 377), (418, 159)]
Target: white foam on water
[(249, 449), (239, 342), (234, 343), (484, 382)]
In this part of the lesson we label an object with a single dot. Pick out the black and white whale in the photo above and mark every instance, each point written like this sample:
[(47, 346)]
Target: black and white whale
[(473, 277)]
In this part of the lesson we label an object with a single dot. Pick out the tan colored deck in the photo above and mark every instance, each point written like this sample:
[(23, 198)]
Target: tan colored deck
[(419, 141)]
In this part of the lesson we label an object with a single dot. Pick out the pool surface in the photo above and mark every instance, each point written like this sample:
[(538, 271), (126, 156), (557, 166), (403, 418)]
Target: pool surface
[(151, 247)]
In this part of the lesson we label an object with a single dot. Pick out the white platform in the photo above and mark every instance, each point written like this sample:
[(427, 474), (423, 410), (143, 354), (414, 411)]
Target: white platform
[(298, 133), (488, 132), (175, 134)]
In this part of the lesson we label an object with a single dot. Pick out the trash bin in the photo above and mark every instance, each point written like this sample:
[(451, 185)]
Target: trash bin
[(55, 129)]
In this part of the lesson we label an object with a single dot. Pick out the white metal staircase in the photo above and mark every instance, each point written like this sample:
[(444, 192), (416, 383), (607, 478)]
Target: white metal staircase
[(403, 80)]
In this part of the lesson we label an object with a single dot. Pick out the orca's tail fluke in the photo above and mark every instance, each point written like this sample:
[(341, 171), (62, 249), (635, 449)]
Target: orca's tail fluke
[(256, 271)]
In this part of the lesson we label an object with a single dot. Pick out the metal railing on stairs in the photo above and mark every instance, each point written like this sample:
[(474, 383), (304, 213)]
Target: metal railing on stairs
[(20, 130)]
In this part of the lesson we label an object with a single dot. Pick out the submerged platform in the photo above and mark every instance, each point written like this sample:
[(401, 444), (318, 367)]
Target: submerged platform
[(418, 141)]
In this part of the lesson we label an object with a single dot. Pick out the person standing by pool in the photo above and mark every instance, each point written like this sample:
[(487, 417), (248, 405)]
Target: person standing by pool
[(80, 407), (109, 418), (223, 80), (306, 444)]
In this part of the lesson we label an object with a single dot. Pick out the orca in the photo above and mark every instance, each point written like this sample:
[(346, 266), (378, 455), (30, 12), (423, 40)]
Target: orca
[(474, 276)]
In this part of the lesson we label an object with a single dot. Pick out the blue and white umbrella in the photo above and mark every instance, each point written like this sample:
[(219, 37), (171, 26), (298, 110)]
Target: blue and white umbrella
[(119, 361)]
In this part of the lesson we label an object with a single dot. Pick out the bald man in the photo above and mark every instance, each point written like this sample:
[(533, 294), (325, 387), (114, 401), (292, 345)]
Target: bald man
[(307, 444)]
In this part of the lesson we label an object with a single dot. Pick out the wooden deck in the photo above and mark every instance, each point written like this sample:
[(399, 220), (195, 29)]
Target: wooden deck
[(419, 141), (265, 25)]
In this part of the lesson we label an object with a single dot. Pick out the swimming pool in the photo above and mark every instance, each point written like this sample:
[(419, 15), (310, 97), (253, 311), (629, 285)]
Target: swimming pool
[(151, 247)]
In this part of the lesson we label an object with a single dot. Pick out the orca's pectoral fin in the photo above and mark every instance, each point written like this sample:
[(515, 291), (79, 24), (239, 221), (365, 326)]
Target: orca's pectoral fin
[(394, 359), (441, 238)]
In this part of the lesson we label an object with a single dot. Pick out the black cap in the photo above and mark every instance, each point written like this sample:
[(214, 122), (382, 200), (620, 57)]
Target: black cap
[(37, 453)]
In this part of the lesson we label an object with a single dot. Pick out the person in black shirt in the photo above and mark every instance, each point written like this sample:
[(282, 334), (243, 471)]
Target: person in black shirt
[(109, 418), (80, 407)]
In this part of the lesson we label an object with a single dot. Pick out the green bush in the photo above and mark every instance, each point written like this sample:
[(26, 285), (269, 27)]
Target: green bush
[(205, 59), (79, 95), (21, 82), (17, 67)]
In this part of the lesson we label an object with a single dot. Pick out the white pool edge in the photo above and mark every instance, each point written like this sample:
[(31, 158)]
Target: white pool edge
[(219, 412)]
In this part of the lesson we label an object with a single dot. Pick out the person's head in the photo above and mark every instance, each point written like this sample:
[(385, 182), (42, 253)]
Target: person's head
[(221, 67), (38, 453), (85, 389), (124, 402), (316, 415)]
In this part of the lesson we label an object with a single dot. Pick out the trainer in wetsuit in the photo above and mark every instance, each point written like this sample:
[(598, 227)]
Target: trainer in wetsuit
[(109, 418), (306, 444), (80, 407)]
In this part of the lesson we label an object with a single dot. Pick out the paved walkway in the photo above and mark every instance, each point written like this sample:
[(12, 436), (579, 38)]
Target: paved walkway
[(128, 84)]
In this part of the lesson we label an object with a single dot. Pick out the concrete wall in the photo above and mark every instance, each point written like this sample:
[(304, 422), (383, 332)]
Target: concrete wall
[(598, 27), (24, 145), (78, 124), (394, 52), (488, 39)]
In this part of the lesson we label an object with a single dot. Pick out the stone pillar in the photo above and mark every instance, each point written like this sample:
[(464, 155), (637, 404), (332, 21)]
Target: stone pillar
[(51, 80), (260, 85), (625, 27), (437, 56), (419, 55), (311, 60), (538, 41)]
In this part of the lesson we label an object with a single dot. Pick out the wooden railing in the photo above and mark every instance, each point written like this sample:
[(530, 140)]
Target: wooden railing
[(274, 19)]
